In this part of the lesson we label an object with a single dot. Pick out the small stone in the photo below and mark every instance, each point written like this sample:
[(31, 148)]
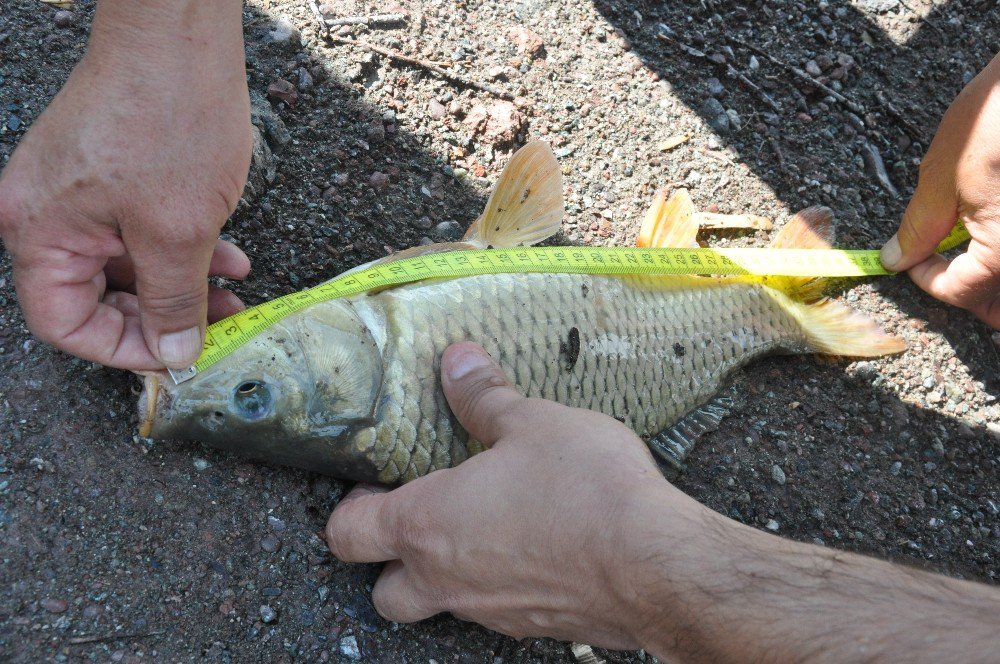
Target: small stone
[(53, 605), (375, 132), (813, 69), (379, 181), (276, 524), (423, 223), (267, 614), (284, 32), (282, 90), (63, 18), (754, 63), (824, 61), (715, 115), (498, 123), (200, 464), (348, 647), (777, 474), (772, 525), (270, 543), (734, 119), (447, 231), (436, 109), (715, 87), (895, 468), (305, 80), (526, 40)]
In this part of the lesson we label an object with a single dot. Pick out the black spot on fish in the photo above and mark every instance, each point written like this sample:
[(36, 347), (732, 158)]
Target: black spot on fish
[(679, 350), (569, 350), (527, 192), (584, 290)]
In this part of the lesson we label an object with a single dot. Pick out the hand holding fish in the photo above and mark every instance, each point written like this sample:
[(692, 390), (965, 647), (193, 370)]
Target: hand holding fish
[(959, 178), (112, 204), (564, 527)]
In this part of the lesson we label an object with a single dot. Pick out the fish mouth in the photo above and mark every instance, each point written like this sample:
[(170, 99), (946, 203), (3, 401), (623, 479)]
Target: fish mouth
[(147, 404)]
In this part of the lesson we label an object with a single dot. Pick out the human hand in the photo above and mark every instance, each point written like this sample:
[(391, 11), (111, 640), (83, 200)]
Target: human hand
[(959, 178), (534, 536), (112, 204)]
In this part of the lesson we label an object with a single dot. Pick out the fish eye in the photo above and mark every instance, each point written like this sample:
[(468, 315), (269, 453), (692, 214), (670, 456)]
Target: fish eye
[(252, 400)]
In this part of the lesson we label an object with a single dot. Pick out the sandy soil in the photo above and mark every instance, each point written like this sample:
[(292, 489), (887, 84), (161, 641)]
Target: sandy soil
[(115, 548)]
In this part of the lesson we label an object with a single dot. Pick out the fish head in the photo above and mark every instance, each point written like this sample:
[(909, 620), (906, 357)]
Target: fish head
[(304, 392)]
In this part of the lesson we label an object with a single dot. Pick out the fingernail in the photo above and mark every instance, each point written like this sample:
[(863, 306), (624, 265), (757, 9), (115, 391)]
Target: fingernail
[(466, 361), (891, 253), (179, 350)]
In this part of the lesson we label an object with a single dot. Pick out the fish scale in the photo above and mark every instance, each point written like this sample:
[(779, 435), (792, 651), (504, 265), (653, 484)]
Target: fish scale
[(627, 366)]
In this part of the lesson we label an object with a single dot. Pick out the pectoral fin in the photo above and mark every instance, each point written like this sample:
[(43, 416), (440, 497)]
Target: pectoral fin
[(672, 445)]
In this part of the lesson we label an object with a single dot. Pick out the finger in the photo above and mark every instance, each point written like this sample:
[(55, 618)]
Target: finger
[(477, 391), (127, 303), (60, 295), (171, 279), (228, 260), (396, 599), (968, 281), (222, 303), (929, 216), (359, 530)]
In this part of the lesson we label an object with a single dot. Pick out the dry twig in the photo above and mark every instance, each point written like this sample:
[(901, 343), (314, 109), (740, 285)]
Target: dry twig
[(731, 71), (454, 77), (852, 105), (80, 640), (363, 20)]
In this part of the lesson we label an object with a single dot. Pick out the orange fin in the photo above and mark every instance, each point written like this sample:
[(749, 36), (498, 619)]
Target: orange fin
[(526, 206), (811, 228), (835, 329), (669, 222)]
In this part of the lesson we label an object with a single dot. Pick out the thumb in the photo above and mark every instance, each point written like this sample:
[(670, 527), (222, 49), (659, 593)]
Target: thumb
[(171, 283), (477, 391), (929, 217)]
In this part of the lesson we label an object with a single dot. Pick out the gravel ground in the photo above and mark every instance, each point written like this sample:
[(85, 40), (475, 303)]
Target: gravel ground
[(114, 548)]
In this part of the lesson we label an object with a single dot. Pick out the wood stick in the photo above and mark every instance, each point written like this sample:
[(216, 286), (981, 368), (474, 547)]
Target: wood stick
[(365, 20), (80, 640), (454, 77)]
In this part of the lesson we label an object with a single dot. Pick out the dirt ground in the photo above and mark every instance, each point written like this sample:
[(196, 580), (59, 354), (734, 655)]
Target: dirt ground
[(117, 548)]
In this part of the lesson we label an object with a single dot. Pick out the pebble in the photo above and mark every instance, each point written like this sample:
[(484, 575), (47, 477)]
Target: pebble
[(200, 464), (895, 468), (284, 32), (267, 614), (715, 115), (379, 181), (305, 80), (447, 231), (715, 87), (526, 40), (63, 18), (813, 69), (270, 543), (276, 524), (772, 525), (348, 647), (436, 109), (282, 90), (53, 605), (777, 474), (734, 119)]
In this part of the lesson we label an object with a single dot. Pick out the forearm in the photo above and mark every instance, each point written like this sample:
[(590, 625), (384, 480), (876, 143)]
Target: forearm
[(721, 591)]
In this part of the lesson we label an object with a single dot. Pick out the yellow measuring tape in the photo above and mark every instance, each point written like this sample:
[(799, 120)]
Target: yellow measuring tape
[(225, 336)]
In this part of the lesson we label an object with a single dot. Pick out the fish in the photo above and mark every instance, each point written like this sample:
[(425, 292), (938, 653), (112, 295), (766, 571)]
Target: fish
[(350, 387)]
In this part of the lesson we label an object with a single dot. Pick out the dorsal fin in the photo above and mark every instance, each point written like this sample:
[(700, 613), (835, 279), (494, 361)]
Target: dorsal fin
[(811, 228), (526, 206), (669, 222)]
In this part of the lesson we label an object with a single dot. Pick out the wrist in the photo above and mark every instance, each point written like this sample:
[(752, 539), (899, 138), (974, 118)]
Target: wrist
[(198, 32)]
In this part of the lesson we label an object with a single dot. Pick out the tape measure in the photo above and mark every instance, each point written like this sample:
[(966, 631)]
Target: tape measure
[(225, 336)]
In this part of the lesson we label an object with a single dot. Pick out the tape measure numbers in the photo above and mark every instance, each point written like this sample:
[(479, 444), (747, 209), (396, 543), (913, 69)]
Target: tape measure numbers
[(227, 335)]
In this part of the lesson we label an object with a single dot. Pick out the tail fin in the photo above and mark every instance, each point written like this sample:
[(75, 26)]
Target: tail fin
[(835, 329), (526, 206), (811, 228)]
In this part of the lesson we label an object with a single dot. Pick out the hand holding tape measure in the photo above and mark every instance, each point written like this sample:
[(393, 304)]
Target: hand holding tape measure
[(226, 335)]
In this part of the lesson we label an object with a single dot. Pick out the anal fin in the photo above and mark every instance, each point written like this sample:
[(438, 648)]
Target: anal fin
[(672, 445)]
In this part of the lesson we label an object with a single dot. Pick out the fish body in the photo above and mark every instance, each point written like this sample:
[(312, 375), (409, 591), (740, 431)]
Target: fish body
[(350, 387)]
